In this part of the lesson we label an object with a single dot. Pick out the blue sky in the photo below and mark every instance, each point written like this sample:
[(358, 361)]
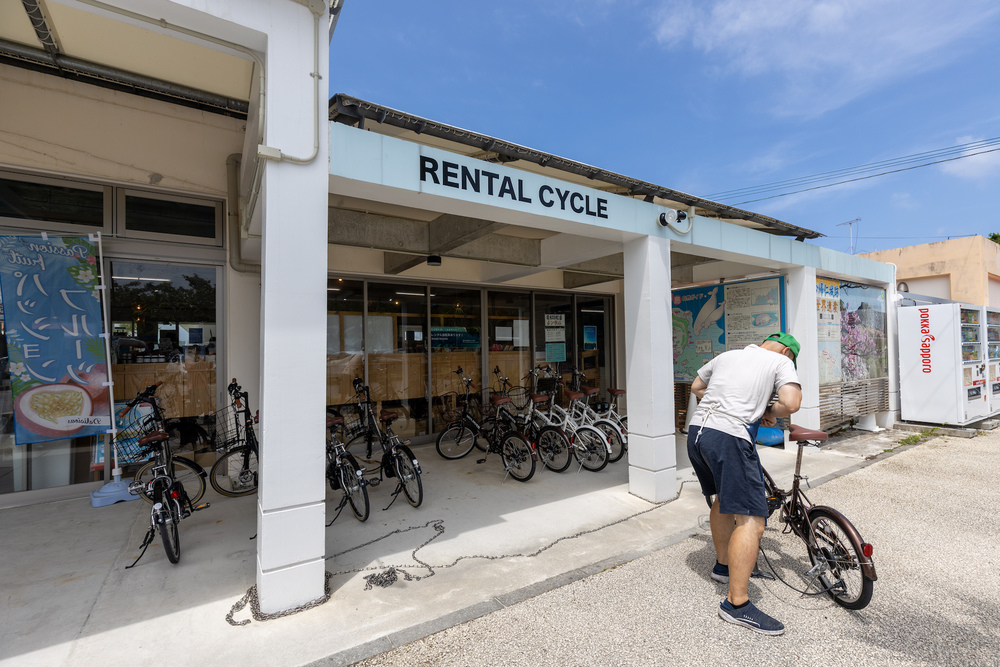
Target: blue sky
[(710, 96)]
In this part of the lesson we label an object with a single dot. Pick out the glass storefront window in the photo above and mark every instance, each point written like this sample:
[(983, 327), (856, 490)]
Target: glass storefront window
[(345, 347), (509, 336), (396, 341), (863, 346), (163, 324), (456, 342), (594, 321), (555, 337)]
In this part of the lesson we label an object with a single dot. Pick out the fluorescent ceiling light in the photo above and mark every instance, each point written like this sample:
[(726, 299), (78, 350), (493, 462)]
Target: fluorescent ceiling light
[(152, 280)]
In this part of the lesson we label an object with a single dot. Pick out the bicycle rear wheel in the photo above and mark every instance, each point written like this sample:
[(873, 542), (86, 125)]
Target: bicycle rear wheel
[(408, 475), (353, 485), (590, 448), (516, 455), (456, 441), (553, 448), (834, 548), (188, 473), (235, 473)]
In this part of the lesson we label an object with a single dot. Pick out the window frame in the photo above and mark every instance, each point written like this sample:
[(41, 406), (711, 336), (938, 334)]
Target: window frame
[(60, 227), (121, 217)]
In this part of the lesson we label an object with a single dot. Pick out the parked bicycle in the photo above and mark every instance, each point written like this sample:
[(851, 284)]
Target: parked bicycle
[(581, 410), (551, 443), (344, 472), (171, 502), (590, 446), (397, 459), (840, 560), (501, 437), (234, 473)]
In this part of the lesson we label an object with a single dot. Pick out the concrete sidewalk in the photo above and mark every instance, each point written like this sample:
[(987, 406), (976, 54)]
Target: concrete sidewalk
[(474, 547)]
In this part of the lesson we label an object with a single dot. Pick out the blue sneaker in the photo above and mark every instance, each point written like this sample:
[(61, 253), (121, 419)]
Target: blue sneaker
[(720, 573), (750, 617)]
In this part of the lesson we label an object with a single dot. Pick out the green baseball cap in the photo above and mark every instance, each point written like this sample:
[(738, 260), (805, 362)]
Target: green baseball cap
[(788, 340)]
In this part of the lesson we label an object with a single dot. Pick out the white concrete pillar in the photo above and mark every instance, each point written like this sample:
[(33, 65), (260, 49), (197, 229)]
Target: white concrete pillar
[(803, 323), (649, 371), (888, 419), (291, 506)]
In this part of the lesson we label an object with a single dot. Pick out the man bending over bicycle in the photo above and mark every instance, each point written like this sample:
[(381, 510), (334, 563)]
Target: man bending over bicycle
[(734, 390)]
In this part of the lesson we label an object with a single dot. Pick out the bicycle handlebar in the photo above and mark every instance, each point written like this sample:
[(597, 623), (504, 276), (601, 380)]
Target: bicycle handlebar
[(146, 395)]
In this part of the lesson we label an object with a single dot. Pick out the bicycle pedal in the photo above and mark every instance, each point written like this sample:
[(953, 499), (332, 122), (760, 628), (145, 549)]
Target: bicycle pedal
[(480, 460), (374, 481), (203, 506)]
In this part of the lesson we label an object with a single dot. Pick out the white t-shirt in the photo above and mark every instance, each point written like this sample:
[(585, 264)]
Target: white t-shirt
[(740, 385)]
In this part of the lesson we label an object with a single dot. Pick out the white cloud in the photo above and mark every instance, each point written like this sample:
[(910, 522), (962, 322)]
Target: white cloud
[(825, 53), (903, 200), (975, 164)]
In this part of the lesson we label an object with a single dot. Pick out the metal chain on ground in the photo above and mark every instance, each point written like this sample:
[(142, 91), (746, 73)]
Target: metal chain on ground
[(254, 602), (386, 576)]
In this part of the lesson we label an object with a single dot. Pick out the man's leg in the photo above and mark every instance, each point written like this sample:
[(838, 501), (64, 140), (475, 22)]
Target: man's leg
[(744, 540), (722, 530)]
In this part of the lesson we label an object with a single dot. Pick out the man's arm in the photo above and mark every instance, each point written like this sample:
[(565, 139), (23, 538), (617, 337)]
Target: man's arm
[(788, 403), (698, 387)]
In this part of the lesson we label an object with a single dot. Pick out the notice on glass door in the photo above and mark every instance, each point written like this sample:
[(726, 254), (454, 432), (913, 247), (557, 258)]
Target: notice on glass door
[(753, 312)]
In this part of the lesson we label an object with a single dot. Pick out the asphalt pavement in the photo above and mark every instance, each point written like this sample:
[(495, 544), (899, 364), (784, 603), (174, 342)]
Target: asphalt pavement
[(930, 512)]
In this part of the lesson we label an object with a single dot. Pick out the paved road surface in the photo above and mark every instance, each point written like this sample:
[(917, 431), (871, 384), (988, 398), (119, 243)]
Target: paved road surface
[(930, 512)]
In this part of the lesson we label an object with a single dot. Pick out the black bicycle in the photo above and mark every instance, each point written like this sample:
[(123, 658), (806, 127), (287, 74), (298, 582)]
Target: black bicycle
[(235, 472), (500, 432), (343, 471), (170, 500), (397, 459)]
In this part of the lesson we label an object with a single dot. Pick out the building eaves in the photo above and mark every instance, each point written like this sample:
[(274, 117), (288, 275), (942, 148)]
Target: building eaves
[(353, 111)]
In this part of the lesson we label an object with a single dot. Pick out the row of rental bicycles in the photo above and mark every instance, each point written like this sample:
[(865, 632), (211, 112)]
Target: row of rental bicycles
[(521, 425), (525, 425)]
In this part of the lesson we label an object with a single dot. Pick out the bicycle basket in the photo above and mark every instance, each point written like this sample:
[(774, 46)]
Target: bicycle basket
[(131, 427), (545, 385), (228, 428)]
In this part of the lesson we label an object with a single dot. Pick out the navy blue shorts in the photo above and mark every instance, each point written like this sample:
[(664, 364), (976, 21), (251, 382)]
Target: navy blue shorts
[(728, 467)]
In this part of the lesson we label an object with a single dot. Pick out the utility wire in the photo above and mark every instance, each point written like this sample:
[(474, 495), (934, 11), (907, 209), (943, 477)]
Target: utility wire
[(862, 178), (925, 159)]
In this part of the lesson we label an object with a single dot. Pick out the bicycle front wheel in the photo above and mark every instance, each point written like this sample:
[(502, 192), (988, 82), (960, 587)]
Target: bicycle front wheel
[(353, 485), (409, 475), (553, 448), (166, 524), (516, 455), (841, 558), (615, 439), (188, 473), (235, 473), (456, 441), (590, 448)]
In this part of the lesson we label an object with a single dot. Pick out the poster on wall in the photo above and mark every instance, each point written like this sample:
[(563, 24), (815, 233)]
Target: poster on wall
[(828, 329), (708, 321), (55, 337)]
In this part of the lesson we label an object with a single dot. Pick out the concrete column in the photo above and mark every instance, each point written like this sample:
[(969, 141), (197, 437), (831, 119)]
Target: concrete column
[(802, 322), (291, 506), (650, 369)]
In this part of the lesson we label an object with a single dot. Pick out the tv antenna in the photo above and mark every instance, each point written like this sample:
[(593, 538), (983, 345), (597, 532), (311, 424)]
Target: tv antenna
[(850, 231)]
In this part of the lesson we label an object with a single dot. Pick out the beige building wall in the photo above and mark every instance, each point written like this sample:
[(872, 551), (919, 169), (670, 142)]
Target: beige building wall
[(965, 269)]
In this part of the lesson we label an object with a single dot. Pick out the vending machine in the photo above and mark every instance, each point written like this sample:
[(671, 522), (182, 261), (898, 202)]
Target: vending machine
[(943, 363), (993, 357)]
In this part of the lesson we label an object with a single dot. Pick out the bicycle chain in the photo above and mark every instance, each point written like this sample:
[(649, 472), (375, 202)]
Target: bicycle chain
[(386, 576)]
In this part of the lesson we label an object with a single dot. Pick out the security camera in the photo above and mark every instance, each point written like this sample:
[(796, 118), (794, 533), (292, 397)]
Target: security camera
[(670, 216)]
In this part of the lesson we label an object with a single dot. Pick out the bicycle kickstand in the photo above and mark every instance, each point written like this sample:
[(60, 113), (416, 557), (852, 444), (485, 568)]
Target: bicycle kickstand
[(146, 541)]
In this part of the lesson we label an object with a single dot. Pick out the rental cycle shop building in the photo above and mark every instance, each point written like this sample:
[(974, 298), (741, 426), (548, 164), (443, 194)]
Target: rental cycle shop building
[(294, 243)]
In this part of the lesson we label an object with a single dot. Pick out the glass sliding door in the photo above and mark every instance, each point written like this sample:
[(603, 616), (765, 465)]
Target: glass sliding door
[(396, 341), (593, 340), (555, 340), (508, 328), (345, 346), (456, 342)]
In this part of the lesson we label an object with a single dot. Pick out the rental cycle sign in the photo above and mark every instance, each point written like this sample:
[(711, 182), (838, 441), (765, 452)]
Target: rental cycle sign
[(55, 337)]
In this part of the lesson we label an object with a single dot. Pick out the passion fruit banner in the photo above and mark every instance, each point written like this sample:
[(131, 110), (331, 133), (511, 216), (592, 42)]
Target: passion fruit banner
[(53, 324)]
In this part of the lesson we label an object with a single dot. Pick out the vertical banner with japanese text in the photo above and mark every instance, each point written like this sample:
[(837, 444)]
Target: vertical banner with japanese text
[(54, 326)]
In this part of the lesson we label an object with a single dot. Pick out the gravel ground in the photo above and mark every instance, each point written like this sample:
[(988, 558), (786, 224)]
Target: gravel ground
[(930, 513)]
